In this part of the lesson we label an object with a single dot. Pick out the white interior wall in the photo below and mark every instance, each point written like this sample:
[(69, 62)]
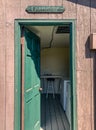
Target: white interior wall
[(54, 61)]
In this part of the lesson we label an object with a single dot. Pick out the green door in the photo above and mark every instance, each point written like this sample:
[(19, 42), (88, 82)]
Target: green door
[(31, 81)]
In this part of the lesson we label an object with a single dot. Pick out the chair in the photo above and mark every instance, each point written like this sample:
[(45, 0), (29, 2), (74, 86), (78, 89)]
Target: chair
[(50, 85)]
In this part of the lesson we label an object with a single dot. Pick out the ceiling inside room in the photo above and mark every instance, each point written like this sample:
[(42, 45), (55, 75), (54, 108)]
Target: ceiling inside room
[(52, 36)]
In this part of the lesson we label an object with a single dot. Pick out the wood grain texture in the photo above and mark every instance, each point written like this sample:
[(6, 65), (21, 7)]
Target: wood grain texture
[(84, 99), (2, 76), (93, 16), (75, 9), (83, 65), (83, 42), (83, 32), (55, 3), (93, 64), (82, 125), (2, 65), (9, 77), (12, 12), (42, 3), (70, 9), (24, 5)]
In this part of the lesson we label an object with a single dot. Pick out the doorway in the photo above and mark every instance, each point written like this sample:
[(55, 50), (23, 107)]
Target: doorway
[(55, 43)]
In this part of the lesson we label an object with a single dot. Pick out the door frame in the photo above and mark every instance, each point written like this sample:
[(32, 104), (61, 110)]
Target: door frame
[(17, 64)]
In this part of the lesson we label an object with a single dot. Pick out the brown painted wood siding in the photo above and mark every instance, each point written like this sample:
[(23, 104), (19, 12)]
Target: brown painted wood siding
[(85, 14), (2, 65)]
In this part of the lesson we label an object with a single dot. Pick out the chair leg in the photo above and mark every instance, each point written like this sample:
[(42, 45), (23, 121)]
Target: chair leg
[(47, 89), (53, 89), (50, 83)]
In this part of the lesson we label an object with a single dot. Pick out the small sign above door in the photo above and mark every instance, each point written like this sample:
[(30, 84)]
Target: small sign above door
[(45, 9)]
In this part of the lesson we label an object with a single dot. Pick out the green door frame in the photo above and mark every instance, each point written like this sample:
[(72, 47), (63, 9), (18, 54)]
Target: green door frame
[(17, 82)]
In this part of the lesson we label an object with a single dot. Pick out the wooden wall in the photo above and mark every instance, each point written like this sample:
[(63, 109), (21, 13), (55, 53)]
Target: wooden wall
[(85, 14)]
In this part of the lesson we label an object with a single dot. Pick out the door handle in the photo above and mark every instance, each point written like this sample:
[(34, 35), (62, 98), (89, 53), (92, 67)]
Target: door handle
[(40, 89)]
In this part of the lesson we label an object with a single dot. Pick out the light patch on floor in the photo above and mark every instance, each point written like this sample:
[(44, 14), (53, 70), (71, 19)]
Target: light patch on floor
[(41, 128)]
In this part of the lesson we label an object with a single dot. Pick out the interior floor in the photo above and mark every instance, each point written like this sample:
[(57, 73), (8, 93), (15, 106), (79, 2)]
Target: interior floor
[(52, 114)]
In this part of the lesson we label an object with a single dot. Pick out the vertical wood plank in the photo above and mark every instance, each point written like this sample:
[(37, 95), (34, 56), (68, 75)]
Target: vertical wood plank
[(42, 3), (24, 5), (84, 100), (9, 76), (55, 3), (23, 13), (83, 65), (2, 65), (12, 12), (2, 77), (70, 9), (93, 64)]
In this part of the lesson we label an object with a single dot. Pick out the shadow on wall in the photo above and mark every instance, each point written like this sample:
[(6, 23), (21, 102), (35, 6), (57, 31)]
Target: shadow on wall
[(87, 48), (89, 3), (92, 54)]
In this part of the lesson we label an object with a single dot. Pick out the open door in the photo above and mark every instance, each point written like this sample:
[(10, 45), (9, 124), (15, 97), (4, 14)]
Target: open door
[(27, 72), (30, 108)]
